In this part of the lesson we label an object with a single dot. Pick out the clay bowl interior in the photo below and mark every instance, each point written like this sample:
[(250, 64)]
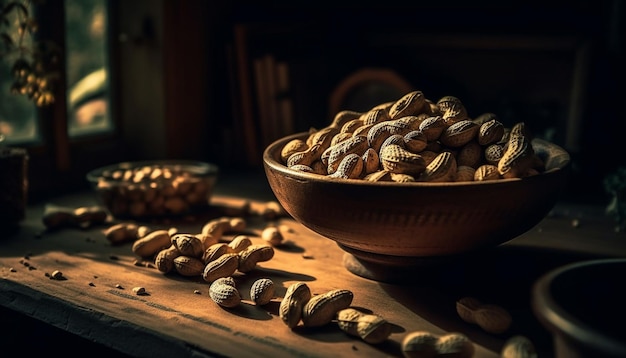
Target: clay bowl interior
[(581, 305), (386, 224)]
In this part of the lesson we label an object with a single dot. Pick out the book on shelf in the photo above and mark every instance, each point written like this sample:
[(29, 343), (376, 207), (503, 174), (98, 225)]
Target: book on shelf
[(274, 103), (285, 104), (242, 96), (262, 100)]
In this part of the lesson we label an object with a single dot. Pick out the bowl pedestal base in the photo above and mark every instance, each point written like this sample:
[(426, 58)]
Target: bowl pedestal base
[(391, 269)]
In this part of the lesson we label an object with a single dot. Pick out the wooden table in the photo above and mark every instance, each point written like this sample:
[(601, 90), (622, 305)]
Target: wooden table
[(96, 300)]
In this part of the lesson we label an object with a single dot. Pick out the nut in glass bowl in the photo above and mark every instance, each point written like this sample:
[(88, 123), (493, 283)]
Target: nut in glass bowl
[(152, 189)]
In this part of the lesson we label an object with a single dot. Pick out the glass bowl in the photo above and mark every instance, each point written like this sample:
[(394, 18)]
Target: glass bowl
[(159, 188)]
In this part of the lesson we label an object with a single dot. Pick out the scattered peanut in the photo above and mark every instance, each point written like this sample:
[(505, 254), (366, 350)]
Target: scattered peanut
[(224, 292), (122, 232), (207, 240), (217, 227), (188, 266), (213, 230), (491, 318), (465, 308), (142, 231), (262, 291), (321, 309), (172, 231), (272, 235), (455, 344), (419, 344), (164, 260), (371, 328), (518, 347), (254, 254), (239, 243), (214, 251), (292, 304), (152, 243), (55, 216), (187, 244), (223, 266), (237, 224)]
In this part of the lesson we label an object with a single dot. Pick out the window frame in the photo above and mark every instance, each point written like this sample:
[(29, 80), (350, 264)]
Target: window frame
[(57, 163), (160, 108)]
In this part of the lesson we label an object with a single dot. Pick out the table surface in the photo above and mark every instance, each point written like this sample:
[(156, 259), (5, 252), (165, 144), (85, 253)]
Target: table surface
[(96, 300)]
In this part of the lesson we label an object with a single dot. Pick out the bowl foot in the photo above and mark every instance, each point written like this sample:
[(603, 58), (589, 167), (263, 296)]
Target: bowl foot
[(403, 269), (369, 270)]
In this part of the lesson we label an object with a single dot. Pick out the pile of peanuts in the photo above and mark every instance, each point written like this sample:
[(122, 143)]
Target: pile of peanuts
[(203, 254), (153, 190), (415, 139), (216, 259)]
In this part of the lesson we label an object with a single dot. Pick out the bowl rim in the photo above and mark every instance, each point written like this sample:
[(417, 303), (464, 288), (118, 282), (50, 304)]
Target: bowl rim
[(269, 161), (196, 167), (559, 321)]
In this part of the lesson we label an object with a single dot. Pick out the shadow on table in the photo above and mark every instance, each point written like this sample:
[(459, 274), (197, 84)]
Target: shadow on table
[(503, 276)]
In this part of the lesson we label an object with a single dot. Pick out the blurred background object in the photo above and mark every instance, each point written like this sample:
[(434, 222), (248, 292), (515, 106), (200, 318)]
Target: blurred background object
[(218, 81)]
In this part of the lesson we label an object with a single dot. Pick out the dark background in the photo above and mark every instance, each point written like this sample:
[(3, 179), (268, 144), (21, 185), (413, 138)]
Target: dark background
[(183, 80), (556, 65)]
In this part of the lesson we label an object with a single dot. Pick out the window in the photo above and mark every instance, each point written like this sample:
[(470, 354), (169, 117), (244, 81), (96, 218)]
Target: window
[(131, 88), (87, 67), (62, 139), (17, 113), (86, 77)]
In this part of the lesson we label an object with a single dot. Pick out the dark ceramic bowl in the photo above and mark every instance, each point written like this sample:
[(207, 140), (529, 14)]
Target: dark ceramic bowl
[(154, 189), (581, 304), (399, 224)]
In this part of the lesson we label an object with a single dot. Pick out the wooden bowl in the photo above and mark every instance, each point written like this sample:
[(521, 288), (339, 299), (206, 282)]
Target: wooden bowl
[(387, 224), (581, 305)]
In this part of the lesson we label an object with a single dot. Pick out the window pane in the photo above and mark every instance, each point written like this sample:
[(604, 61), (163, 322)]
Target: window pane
[(17, 112), (87, 67)]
